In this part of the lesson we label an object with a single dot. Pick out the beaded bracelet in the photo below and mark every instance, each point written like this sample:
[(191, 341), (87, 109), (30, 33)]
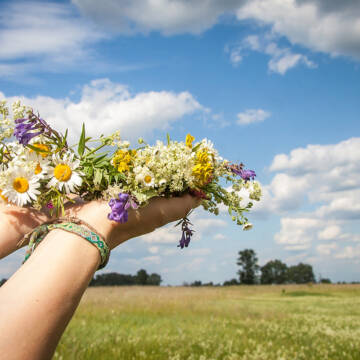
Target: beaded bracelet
[(72, 225)]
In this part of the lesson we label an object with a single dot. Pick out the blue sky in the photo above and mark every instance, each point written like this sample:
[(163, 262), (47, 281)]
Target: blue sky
[(273, 84)]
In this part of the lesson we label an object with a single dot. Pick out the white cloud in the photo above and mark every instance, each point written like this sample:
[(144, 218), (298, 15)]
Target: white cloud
[(152, 259), (208, 224), (296, 233), (303, 22), (329, 233), (165, 235), (327, 174), (43, 34), (153, 249), (281, 59), (167, 16), (349, 252), (325, 179), (321, 25), (219, 236), (326, 249), (114, 107), (252, 116), (345, 154)]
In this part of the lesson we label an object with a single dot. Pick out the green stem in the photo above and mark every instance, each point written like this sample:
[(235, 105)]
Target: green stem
[(95, 150)]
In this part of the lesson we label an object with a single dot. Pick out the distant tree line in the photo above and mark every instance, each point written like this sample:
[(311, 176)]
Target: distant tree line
[(273, 272), (114, 279)]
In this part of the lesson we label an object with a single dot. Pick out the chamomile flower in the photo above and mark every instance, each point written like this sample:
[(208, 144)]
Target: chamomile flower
[(146, 178), (21, 186), (64, 174), (40, 163)]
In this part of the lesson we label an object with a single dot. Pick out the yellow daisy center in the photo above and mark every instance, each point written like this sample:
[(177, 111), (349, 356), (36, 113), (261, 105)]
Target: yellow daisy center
[(147, 179), (21, 184), (62, 172), (38, 169)]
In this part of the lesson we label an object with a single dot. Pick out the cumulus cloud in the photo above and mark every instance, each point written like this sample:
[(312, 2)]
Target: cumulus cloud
[(167, 16), (296, 233), (324, 178), (328, 26), (281, 60), (114, 107), (349, 252), (171, 235), (252, 116), (329, 233), (326, 249), (43, 33)]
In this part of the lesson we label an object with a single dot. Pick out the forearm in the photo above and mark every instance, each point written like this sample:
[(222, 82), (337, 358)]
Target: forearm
[(40, 298), (15, 222)]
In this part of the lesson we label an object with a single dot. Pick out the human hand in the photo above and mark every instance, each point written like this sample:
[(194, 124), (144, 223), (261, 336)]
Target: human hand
[(159, 212), (15, 222)]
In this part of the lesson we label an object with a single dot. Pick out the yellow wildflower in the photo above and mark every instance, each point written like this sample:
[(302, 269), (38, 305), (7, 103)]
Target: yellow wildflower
[(42, 149), (189, 140), (122, 159), (203, 168)]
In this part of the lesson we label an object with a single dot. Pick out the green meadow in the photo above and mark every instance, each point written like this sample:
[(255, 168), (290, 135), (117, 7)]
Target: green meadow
[(239, 322)]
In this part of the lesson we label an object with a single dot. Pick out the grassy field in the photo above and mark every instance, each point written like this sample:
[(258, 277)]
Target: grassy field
[(241, 322)]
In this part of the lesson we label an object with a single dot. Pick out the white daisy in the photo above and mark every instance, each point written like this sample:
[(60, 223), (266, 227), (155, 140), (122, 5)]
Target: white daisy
[(21, 186), (146, 177), (40, 163), (63, 173)]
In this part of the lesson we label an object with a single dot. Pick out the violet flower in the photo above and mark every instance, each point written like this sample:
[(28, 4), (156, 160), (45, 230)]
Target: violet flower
[(245, 174), (186, 234), (119, 208), (33, 125), (50, 205), (24, 132)]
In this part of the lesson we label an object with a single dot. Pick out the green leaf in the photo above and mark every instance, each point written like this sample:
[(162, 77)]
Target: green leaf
[(168, 138), (98, 176), (195, 148), (64, 138), (81, 146)]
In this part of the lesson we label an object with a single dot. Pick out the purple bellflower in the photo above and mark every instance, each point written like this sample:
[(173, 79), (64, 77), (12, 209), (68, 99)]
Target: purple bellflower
[(245, 174), (186, 234), (120, 206), (33, 125), (24, 132)]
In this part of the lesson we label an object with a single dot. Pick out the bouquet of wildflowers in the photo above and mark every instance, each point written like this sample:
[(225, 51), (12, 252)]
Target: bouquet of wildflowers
[(39, 169)]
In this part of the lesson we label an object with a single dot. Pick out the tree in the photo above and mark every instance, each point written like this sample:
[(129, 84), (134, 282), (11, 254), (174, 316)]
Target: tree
[(142, 277), (249, 268), (230, 282), (274, 272), (301, 274), (154, 279)]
